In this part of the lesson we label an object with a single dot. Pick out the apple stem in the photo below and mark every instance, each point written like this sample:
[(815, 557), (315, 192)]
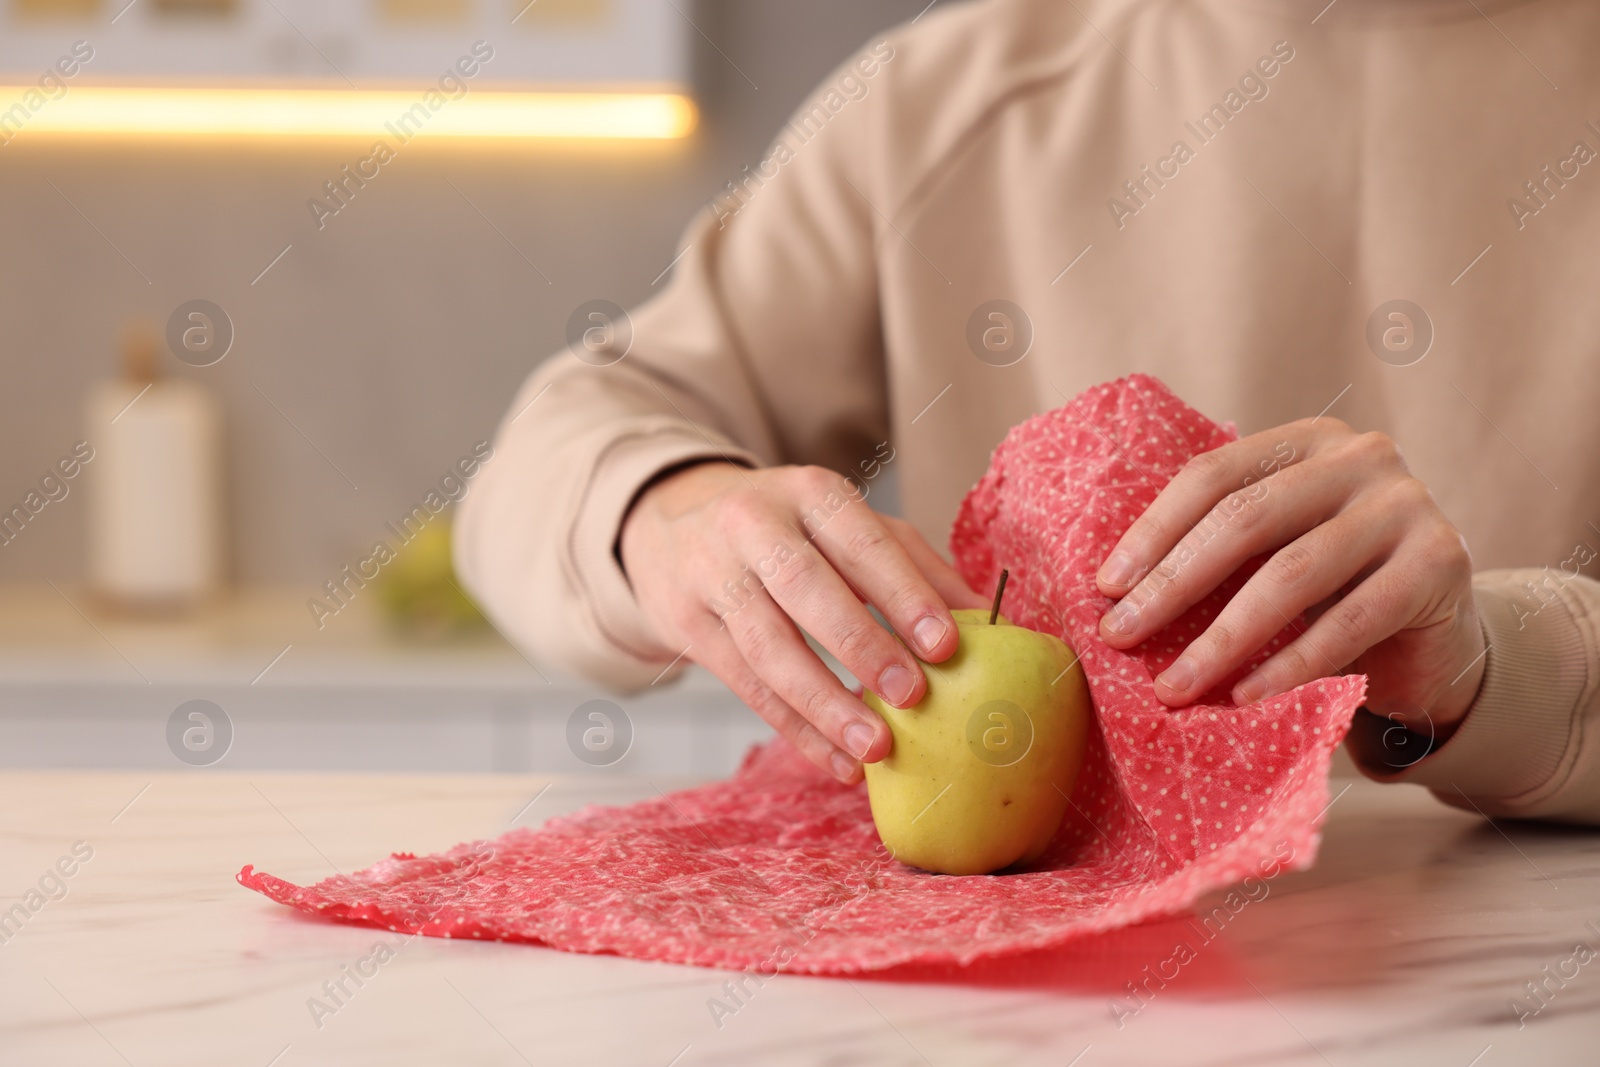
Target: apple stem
[(999, 591)]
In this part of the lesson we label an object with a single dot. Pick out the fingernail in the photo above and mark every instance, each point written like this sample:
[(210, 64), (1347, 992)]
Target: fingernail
[(1178, 677), (895, 686), (844, 768), (1117, 570), (1123, 618), (928, 632), (1250, 690), (858, 738)]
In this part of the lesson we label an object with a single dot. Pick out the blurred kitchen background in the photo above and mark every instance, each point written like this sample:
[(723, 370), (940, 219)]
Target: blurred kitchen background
[(367, 358)]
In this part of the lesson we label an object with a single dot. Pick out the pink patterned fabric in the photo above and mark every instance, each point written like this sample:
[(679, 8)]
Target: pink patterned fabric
[(779, 868)]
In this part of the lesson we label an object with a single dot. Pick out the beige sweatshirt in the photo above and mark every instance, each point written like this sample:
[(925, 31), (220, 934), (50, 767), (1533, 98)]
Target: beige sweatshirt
[(1222, 193)]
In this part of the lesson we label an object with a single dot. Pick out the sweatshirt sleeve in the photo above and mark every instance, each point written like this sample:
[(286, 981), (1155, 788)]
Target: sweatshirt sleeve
[(1529, 746), (765, 348)]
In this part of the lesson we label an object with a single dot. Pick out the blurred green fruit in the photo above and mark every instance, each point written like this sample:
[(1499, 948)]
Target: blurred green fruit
[(419, 589)]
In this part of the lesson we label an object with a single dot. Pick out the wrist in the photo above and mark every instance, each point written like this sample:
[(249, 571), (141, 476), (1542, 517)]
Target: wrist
[(1452, 713), (678, 484), (1450, 709)]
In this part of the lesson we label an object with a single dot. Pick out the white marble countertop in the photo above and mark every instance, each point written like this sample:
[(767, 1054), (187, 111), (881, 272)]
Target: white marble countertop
[(1406, 944)]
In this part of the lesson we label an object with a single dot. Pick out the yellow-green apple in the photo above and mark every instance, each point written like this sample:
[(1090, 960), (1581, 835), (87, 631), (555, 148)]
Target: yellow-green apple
[(983, 765)]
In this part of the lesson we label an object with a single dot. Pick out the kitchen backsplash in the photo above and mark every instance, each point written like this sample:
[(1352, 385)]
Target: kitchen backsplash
[(369, 354)]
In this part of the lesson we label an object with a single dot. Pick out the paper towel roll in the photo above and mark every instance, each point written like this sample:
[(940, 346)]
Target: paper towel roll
[(155, 527)]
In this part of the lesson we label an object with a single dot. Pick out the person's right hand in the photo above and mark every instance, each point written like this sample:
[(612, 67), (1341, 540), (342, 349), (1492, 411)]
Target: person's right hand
[(731, 564)]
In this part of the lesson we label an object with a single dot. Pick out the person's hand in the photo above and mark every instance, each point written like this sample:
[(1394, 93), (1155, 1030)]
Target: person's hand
[(731, 564), (1357, 543)]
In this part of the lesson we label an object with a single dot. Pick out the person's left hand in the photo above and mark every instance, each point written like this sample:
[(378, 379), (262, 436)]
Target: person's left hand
[(1357, 543)]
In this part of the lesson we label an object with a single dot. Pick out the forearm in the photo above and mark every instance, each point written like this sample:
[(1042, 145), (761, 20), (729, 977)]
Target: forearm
[(535, 539)]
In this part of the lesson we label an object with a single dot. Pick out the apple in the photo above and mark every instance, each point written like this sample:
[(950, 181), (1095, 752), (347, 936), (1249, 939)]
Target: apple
[(983, 766)]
